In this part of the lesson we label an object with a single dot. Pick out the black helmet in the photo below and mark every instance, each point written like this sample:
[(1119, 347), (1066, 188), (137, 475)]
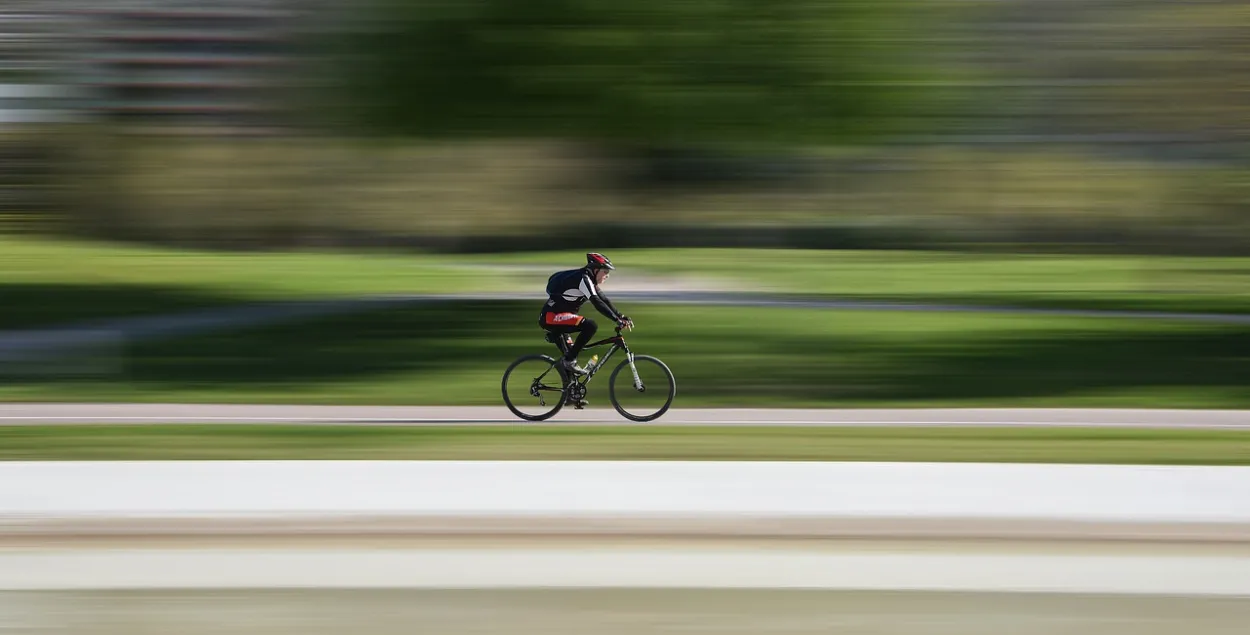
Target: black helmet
[(598, 261)]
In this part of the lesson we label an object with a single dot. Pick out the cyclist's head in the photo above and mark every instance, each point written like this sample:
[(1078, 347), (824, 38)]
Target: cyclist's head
[(598, 261), (599, 265)]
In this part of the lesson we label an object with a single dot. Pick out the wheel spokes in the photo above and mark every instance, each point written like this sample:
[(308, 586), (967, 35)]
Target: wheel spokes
[(642, 389), (526, 386)]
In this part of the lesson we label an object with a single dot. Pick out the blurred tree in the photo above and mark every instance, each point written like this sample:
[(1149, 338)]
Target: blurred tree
[(1157, 72), (654, 72), (1188, 68)]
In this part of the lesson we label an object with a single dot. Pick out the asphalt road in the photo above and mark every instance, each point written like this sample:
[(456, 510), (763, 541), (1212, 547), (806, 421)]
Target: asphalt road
[(115, 413)]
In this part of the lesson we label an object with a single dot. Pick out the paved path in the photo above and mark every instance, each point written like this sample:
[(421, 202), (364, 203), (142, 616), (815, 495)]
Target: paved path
[(49, 414)]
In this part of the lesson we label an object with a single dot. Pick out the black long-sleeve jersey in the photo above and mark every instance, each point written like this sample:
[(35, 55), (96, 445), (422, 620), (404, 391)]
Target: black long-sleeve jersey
[(568, 290)]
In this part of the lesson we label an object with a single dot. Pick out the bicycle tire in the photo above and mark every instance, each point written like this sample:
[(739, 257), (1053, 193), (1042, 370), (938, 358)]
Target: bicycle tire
[(564, 384), (668, 403)]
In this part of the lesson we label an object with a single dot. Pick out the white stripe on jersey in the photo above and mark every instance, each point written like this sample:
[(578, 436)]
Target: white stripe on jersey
[(587, 287)]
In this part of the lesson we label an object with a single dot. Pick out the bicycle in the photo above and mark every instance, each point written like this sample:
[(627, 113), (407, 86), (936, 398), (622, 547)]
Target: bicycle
[(533, 384)]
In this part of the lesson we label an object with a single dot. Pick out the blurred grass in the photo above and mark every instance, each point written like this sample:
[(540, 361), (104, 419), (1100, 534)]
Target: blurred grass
[(48, 281), (455, 353), (236, 442)]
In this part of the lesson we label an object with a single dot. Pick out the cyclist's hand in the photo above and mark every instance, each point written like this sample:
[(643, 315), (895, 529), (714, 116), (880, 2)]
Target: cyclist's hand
[(627, 323)]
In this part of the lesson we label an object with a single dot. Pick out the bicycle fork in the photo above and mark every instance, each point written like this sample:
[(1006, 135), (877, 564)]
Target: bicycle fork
[(634, 369), (629, 357)]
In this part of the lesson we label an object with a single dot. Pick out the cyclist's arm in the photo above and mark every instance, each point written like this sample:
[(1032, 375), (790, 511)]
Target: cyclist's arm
[(590, 290), (620, 317)]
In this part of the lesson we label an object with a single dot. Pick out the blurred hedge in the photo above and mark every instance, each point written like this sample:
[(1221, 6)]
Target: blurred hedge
[(255, 193)]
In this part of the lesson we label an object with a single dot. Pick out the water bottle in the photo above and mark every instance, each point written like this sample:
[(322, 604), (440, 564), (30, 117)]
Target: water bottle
[(594, 359)]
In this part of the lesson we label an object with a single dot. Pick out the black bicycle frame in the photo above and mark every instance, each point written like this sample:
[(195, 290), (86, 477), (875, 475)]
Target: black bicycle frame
[(617, 342)]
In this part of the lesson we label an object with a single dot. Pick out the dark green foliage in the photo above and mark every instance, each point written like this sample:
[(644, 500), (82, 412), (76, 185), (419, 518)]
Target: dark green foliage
[(647, 71)]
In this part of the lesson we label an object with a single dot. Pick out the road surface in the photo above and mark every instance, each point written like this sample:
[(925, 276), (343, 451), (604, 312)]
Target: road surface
[(115, 413)]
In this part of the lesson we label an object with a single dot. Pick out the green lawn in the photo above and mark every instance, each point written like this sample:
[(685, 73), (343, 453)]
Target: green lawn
[(643, 442), (52, 281), (455, 353), (46, 282)]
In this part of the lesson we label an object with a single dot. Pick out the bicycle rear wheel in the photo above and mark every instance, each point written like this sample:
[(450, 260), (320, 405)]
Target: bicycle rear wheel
[(645, 396), (533, 387)]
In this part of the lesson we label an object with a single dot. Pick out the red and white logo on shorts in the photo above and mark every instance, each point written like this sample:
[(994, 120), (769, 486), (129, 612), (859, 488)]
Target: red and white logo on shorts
[(564, 319)]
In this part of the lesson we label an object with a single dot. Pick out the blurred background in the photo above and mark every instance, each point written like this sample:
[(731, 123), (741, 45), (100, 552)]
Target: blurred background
[(494, 125), (166, 156), (810, 203)]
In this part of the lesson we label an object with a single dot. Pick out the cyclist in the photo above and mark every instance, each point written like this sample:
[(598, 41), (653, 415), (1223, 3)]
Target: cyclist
[(566, 292)]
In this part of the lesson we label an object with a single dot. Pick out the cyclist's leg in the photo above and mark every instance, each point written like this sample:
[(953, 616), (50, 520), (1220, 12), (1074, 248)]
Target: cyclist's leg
[(562, 324), (556, 336), (559, 328), (586, 330), (571, 323)]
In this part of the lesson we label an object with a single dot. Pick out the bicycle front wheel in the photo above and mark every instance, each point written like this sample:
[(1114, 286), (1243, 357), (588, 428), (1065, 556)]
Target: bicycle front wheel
[(644, 391), (533, 387)]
